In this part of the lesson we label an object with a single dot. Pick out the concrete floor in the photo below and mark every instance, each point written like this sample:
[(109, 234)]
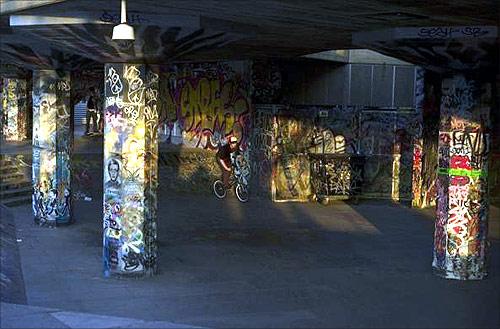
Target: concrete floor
[(226, 264), (260, 264)]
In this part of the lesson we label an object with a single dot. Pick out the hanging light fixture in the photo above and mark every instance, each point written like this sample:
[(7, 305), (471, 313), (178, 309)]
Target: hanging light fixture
[(123, 31)]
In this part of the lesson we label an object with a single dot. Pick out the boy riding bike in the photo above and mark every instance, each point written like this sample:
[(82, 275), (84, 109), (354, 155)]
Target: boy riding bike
[(234, 169), (224, 159)]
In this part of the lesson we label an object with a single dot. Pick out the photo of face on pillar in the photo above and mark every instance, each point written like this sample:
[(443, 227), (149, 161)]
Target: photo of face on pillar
[(113, 174)]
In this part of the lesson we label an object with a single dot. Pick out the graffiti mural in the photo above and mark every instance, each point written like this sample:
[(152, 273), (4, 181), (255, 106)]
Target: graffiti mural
[(52, 144), (206, 103), (290, 178), (130, 169), (462, 202), (14, 105)]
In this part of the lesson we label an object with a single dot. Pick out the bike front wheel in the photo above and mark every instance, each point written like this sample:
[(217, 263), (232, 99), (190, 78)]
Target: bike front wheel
[(242, 193), (219, 189)]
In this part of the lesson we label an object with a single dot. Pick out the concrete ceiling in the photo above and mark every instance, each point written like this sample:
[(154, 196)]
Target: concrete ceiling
[(185, 30)]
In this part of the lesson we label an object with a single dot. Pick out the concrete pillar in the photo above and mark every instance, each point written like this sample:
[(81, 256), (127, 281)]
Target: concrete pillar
[(130, 170), (417, 179), (14, 109), (460, 245), (52, 144)]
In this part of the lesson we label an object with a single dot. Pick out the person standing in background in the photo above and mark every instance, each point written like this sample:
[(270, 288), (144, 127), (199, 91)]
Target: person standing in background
[(91, 113)]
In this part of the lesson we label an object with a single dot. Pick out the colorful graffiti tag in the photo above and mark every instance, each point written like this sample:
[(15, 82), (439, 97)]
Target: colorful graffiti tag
[(462, 201), (52, 144), (14, 107), (207, 102), (131, 170)]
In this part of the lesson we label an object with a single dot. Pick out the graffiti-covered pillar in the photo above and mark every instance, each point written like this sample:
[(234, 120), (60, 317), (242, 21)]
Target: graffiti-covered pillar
[(460, 246), (52, 144), (14, 109), (130, 169)]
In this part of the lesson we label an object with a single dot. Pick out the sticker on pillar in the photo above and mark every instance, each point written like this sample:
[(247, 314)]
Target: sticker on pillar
[(113, 181)]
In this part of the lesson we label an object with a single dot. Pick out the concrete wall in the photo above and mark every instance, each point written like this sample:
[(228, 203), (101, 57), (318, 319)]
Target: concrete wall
[(370, 85)]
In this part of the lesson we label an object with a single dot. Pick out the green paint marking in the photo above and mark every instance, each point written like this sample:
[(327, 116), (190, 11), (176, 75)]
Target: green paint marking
[(473, 173)]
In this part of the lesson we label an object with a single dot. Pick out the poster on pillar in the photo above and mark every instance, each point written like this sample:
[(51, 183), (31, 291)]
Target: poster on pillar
[(460, 244), (52, 143), (130, 169), (14, 109)]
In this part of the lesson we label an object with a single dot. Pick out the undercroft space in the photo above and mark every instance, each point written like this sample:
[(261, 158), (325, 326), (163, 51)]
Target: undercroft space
[(249, 164)]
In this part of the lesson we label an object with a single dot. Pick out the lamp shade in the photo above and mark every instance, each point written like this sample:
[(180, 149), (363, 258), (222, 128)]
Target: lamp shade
[(123, 32)]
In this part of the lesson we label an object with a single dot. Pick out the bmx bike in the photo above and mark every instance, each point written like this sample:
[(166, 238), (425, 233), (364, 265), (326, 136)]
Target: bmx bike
[(238, 181)]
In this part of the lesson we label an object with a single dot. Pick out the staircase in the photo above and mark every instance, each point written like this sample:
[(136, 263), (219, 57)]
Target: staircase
[(15, 184)]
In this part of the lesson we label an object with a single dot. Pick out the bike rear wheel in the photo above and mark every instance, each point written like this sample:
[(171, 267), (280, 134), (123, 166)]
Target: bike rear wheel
[(241, 193), (219, 189)]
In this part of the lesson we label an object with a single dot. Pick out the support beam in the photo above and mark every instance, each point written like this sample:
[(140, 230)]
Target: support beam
[(14, 6), (52, 144), (460, 246), (130, 170), (14, 107)]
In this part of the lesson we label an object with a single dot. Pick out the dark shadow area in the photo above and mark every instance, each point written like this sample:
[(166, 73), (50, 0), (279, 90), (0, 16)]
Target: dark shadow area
[(11, 273)]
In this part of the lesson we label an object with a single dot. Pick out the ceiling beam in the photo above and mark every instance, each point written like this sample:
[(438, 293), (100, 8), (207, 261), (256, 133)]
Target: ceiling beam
[(13, 6)]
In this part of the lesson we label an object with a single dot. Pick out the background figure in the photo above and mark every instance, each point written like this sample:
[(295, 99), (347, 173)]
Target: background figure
[(100, 112), (91, 112), (100, 120)]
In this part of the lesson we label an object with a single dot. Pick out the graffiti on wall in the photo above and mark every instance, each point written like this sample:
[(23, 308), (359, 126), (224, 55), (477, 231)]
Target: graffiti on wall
[(131, 172), (291, 178), (51, 148), (266, 82), (462, 204), (387, 139), (299, 132), (290, 161), (336, 174), (261, 149), (15, 106), (206, 103)]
